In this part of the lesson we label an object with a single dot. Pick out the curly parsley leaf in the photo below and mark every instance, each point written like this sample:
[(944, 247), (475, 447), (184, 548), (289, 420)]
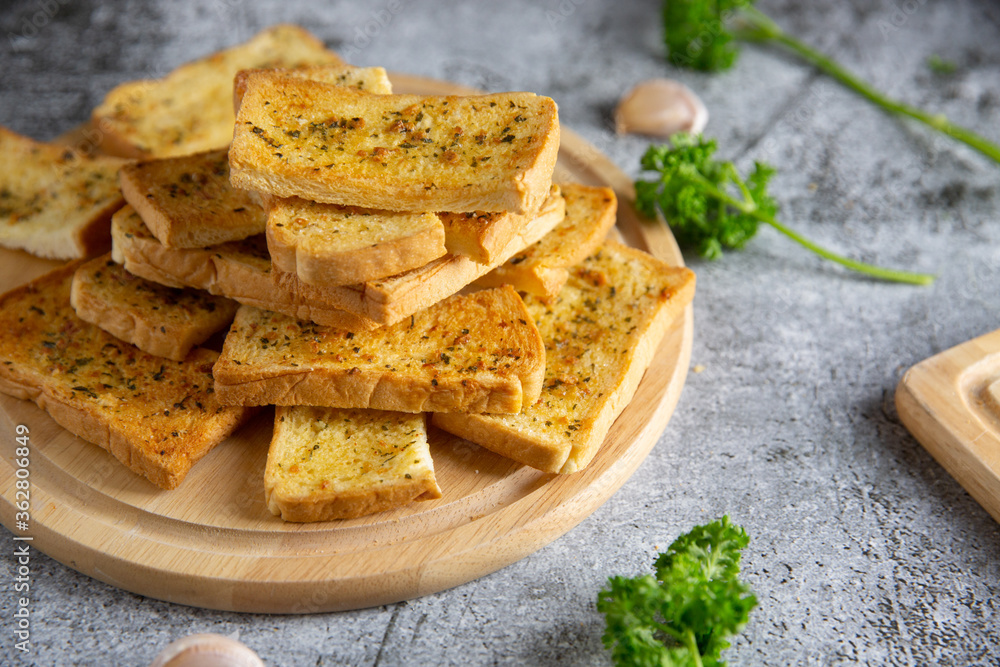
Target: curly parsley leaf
[(684, 614), (710, 207)]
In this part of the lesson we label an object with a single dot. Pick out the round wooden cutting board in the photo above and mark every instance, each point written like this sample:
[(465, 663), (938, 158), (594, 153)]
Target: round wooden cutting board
[(213, 543)]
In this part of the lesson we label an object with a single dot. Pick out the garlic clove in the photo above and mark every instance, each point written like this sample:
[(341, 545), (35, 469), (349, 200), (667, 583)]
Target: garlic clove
[(660, 108), (207, 650)]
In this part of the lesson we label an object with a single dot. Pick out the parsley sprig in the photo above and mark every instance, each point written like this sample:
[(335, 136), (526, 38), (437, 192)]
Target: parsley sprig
[(684, 614), (709, 206), (703, 35)]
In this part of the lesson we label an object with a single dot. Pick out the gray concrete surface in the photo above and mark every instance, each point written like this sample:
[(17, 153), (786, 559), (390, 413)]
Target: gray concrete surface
[(863, 550)]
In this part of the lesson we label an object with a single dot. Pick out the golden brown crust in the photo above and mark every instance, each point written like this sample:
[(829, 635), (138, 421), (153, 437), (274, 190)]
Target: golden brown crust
[(330, 144), (482, 235), (54, 201), (240, 270), (600, 335), (390, 300), (155, 415), (329, 463), (190, 109), (542, 268), (326, 245), (160, 320), (478, 352), (370, 79)]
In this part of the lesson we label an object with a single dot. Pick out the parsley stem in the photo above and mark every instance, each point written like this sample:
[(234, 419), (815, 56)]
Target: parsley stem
[(760, 27), (750, 208), (692, 646)]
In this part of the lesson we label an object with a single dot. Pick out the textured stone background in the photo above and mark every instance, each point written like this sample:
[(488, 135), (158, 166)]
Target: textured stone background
[(863, 549)]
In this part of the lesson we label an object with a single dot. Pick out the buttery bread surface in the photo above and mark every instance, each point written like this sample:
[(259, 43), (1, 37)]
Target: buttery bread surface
[(478, 352), (188, 201), (190, 110), (600, 335), (389, 300), (331, 463), (155, 415), (160, 320), (325, 143), (55, 202), (543, 267)]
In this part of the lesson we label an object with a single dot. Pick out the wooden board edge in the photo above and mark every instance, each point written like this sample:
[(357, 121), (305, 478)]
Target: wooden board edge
[(953, 443)]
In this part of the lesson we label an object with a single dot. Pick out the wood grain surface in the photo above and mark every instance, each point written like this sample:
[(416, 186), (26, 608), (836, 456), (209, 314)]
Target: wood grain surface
[(951, 404), (212, 542)]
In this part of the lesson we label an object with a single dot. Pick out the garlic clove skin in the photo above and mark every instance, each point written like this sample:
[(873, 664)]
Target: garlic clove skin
[(207, 650), (660, 108)]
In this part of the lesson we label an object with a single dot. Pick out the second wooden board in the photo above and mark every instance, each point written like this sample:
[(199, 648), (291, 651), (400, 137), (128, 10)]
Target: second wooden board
[(213, 543), (951, 404)]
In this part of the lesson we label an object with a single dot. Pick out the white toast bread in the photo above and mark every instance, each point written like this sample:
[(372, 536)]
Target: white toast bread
[(482, 235), (160, 320), (330, 463), (370, 79), (600, 334), (188, 202), (389, 300), (326, 245), (55, 202), (240, 270), (156, 416), (543, 267), (191, 109), (326, 143), (478, 352)]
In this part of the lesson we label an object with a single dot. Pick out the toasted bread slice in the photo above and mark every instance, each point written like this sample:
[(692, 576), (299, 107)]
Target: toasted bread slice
[(479, 352), (55, 202), (326, 143), (395, 298), (240, 270), (329, 463), (188, 202), (156, 416), (160, 320), (326, 245), (370, 79), (600, 336), (543, 267), (191, 109), (481, 235)]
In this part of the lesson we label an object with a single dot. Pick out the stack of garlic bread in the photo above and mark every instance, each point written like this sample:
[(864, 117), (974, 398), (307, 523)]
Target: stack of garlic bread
[(382, 262)]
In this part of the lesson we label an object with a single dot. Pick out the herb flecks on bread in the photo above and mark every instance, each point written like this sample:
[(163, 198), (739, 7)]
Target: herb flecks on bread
[(478, 352), (54, 201), (155, 415), (600, 336), (160, 320), (191, 109), (188, 201), (326, 143), (369, 79), (543, 267), (330, 463)]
